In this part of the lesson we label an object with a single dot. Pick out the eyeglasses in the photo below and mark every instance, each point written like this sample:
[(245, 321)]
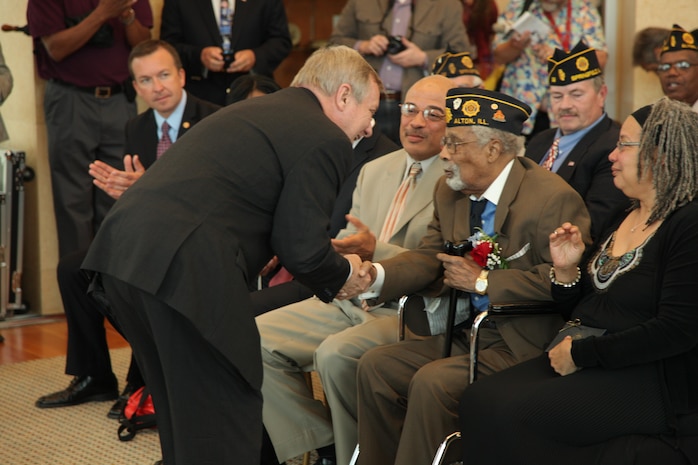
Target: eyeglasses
[(620, 145), (410, 110), (682, 65), (452, 145)]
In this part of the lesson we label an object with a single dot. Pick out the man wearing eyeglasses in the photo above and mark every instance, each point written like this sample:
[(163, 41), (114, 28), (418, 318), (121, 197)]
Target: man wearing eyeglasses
[(330, 337), (408, 394), (577, 150), (678, 66)]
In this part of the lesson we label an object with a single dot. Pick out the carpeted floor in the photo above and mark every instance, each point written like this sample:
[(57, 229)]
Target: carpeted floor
[(79, 435)]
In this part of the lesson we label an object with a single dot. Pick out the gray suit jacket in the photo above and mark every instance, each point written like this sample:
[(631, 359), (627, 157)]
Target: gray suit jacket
[(436, 26), (375, 188)]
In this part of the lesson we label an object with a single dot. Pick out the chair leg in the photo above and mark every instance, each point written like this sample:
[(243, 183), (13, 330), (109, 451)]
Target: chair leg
[(306, 458), (443, 448), (354, 456)]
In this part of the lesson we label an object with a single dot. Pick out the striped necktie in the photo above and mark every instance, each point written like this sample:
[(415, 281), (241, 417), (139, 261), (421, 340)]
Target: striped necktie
[(554, 152), (399, 201)]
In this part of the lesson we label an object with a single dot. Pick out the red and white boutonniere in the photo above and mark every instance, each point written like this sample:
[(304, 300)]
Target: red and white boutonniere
[(486, 251)]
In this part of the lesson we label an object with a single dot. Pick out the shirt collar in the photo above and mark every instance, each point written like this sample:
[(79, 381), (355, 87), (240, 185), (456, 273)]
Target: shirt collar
[(174, 120), (425, 164), (494, 191)]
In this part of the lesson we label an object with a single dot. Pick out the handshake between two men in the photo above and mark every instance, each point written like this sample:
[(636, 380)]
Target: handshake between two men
[(459, 272)]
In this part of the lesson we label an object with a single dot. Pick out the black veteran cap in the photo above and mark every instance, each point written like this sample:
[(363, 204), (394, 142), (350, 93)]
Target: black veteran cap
[(481, 107), (452, 65), (578, 64), (679, 39)]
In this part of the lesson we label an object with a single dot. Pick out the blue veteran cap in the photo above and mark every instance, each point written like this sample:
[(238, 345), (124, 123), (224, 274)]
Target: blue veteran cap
[(481, 107)]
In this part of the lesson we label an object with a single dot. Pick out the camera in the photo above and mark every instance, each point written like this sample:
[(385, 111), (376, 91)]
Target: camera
[(228, 58), (395, 45)]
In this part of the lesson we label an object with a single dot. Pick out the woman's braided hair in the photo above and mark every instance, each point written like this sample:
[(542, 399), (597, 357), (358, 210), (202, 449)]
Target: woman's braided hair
[(669, 151)]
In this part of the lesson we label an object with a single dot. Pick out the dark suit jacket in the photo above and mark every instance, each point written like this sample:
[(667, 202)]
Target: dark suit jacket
[(200, 224), (259, 25), (533, 203), (588, 170), (142, 135), (368, 149)]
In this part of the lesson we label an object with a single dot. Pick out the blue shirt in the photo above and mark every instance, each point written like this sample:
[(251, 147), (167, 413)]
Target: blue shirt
[(568, 143), (174, 120)]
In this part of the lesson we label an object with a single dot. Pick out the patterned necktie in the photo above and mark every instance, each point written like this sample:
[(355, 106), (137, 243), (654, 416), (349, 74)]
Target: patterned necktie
[(477, 207), (226, 23), (399, 201), (165, 142), (554, 152)]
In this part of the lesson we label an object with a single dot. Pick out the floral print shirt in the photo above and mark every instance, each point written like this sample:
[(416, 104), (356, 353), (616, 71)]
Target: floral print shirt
[(526, 78)]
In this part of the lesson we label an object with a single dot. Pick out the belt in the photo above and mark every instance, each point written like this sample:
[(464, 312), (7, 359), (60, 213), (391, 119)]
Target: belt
[(391, 95), (97, 91)]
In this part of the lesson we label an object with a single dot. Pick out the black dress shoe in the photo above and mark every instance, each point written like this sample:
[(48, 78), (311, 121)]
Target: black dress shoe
[(81, 389), (118, 408)]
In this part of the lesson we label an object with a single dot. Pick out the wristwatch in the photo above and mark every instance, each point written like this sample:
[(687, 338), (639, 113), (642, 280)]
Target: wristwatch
[(481, 283)]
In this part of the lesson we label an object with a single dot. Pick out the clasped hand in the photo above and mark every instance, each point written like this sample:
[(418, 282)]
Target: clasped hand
[(459, 272), (212, 59), (362, 276)]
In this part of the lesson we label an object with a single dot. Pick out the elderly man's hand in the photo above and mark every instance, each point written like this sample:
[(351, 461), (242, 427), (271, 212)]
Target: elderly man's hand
[(460, 272)]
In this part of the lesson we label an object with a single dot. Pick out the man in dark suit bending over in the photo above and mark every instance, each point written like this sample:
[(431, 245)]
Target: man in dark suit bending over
[(179, 252), (159, 79)]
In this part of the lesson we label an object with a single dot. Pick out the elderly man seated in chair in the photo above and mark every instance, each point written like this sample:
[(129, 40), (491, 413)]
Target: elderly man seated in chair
[(507, 206)]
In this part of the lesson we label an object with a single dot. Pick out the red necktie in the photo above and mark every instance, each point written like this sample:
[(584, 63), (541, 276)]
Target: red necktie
[(165, 142), (398, 204), (554, 151)]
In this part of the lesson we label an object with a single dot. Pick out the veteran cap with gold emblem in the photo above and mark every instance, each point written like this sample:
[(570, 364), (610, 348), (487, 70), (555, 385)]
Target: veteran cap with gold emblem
[(578, 64), (452, 65), (679, 39), (481, 107)]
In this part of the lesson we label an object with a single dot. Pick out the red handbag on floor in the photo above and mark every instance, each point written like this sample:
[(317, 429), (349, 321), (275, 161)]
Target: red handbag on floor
[(139, 413)]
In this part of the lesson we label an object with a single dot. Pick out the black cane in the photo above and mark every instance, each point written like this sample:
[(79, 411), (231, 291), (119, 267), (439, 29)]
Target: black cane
[(459, 250)]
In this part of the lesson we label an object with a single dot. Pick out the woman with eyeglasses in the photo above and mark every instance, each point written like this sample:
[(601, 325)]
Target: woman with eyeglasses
[(619, 384)]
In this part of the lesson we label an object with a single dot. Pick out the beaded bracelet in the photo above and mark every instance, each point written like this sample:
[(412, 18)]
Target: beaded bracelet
[(554, 280)]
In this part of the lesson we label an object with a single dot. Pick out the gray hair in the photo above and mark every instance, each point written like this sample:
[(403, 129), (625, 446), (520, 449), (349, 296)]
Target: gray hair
[(511, 143), (330, 67), (669, 150)]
